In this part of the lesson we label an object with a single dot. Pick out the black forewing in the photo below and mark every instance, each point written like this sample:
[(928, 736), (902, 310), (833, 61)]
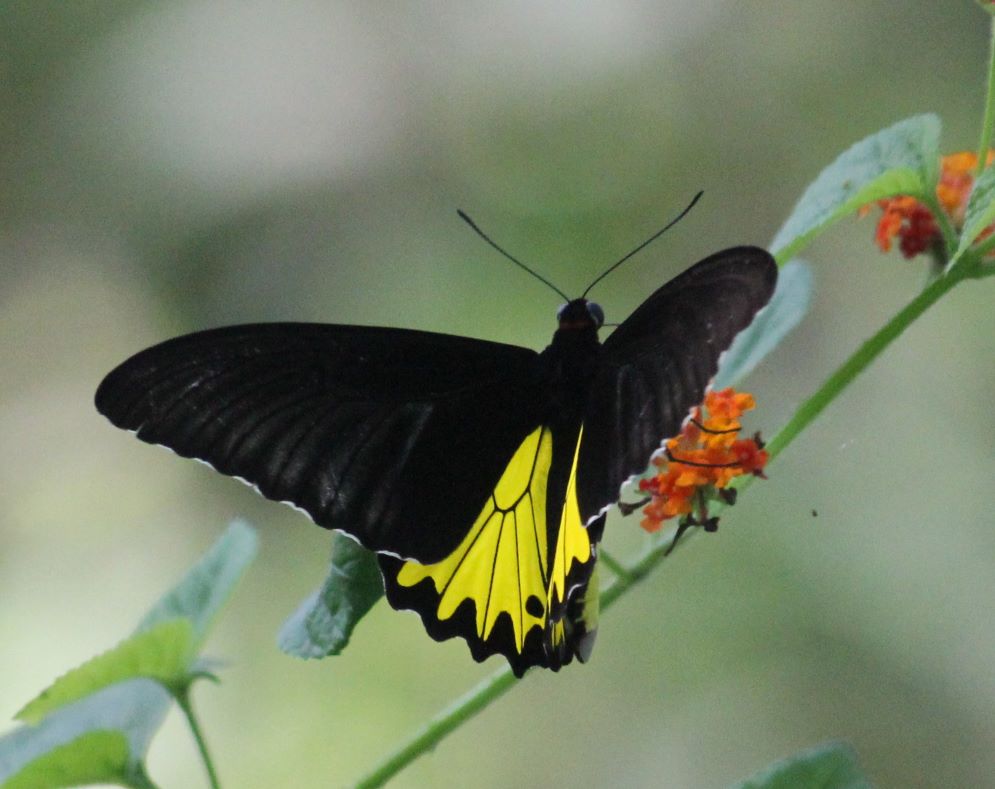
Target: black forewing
[(393, 436), (656, 365)]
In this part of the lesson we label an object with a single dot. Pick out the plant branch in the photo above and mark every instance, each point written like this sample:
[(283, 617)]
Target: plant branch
[(619, 570), (182, 697), (438, 727), (989, 118), (950, 236), (139, 779), (864, 355)]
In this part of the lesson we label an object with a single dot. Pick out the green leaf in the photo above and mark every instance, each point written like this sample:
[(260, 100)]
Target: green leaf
[(322, 624), (829, 766), (980, 211), (164, 646), (163, 653), (902, 159), (787, 307), (207, 586), (103, 737), (122, 695), (96, 757)]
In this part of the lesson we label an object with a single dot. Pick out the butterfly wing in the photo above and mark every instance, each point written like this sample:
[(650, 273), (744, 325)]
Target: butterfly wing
[(395, 437), (656, 365), (507, 587)]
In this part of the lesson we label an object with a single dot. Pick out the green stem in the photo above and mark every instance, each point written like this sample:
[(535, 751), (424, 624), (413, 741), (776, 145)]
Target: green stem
[(619, 570), (628, 575), (438, 727), (950, 237), (639, 569), (182, 697), (984, 247), (853, 366), (139, 779), (989, 121)]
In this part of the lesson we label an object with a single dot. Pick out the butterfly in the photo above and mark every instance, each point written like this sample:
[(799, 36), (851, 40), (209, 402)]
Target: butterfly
[(480, 473)]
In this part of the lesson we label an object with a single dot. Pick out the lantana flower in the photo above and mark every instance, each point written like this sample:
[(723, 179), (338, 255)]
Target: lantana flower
[(913, 223), (696, 466)]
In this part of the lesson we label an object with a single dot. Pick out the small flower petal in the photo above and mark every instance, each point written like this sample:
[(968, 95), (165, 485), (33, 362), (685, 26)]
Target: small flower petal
[(702, 460), (912, 223)]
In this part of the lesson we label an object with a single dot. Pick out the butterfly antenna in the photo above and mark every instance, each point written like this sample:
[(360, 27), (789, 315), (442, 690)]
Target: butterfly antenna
[(512, 258), (646, 243)]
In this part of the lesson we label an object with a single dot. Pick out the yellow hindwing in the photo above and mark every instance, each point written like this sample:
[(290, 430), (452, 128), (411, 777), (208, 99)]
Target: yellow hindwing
[(502, 563), (572, 544)]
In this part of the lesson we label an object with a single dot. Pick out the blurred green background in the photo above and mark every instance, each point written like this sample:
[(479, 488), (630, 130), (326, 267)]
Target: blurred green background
[(173, 166)]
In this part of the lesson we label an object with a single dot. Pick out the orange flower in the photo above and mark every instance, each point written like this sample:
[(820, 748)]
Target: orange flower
[(698, 463), (913, 223)]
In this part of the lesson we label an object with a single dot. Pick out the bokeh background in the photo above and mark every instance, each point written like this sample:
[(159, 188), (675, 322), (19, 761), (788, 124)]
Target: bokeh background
[(173, 166)]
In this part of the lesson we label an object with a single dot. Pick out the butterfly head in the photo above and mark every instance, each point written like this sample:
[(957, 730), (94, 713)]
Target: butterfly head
[(580, 314)]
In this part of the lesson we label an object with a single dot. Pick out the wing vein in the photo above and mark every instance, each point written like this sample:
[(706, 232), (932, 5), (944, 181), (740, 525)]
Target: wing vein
[(490, 582), (518, 573)]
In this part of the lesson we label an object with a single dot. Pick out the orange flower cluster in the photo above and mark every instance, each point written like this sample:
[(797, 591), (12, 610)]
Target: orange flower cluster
[(701, 461), (912, 223)]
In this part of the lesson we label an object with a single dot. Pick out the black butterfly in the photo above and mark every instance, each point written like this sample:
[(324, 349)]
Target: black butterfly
[(479, 472)]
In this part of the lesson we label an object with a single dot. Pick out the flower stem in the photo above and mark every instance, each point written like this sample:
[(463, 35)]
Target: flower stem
[(989, 121), (139, 779), (638, 569), (982, 249), (950, 236), (182, 697), (619, 570), (631, 573), (438, 727), (853, 366)]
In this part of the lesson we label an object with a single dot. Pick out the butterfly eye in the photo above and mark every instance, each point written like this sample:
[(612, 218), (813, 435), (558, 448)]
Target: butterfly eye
[(562, 309), (597, 314)]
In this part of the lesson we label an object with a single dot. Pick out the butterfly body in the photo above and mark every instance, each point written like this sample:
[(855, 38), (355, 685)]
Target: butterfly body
[(479, 472)]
